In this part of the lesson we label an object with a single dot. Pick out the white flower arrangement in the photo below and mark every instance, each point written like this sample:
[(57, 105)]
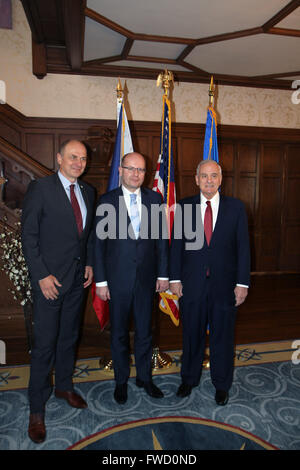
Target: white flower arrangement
[(14, 265)]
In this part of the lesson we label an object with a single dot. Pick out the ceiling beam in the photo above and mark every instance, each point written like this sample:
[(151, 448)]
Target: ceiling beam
[(285, 32), (228, 36), (73, 16), (155, 60), (149, 73), (283, 13), (127, 48), (278, 75), (32, 15), (39, 60), (93, 15)]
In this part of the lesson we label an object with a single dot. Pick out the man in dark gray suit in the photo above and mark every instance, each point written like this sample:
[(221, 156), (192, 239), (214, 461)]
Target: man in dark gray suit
[(57, 243), (128, 268)]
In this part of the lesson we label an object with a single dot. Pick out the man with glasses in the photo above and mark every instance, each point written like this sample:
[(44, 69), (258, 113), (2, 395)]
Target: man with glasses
[(128, 267)]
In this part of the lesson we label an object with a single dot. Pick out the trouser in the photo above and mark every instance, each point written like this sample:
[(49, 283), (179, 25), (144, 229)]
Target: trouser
[(139, 302), (55, 329), (219, 316)]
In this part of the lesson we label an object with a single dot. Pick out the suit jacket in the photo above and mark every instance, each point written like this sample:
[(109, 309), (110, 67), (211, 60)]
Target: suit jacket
[(120, 260), (227, 257), (50, 240)]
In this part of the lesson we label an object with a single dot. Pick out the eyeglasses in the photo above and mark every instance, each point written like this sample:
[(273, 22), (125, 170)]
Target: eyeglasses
[(133, 169)]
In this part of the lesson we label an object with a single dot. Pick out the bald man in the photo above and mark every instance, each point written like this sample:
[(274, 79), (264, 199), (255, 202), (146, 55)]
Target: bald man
[(211, 280), (130, 264), (57, 217)]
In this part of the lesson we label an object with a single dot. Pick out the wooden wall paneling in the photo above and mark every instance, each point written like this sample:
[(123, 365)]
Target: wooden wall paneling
[(192, 152), (10, 133), (177, 168), (226, 155), (261, 166), (41, 147), (290, 221), (270, 208), (245, 181)]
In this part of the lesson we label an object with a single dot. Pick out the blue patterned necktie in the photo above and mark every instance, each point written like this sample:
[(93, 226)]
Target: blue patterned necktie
[(134, 215)]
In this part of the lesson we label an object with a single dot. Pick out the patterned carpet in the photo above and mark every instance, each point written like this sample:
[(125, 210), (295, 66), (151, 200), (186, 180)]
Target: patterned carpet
[(263, 411)]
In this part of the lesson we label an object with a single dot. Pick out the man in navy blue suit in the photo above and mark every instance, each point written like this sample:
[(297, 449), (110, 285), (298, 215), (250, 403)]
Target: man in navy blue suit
[(129, 265), (210, 280), (57, 217)]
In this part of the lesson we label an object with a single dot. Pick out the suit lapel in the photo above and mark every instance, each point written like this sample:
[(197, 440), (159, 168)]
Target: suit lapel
[(220, 219), (87, 205), (63, 200), (123, 222)]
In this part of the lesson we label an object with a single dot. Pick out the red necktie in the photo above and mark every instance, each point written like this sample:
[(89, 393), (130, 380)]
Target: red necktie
[(76, 209), (208, 222)]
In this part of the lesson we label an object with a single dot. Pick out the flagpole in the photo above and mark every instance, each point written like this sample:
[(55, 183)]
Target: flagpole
[(161, 359), (211, 94), (106, 361)]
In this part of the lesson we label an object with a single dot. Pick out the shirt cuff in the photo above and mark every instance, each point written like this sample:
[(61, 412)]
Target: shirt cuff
[(101, 284)]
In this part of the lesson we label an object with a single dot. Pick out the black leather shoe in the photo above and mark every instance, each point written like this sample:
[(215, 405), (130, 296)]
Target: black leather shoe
[(221, 397), (120, 393), (184, 390), (151, 389)]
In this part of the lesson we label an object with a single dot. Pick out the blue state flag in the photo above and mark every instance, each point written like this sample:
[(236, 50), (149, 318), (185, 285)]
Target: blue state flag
[(210, 149)]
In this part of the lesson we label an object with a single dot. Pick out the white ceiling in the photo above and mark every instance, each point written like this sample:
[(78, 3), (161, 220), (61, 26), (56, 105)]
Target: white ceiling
[(249, 56), (189, 18)]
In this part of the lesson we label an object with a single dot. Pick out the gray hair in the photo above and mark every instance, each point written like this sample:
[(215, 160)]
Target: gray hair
[(203, 162)]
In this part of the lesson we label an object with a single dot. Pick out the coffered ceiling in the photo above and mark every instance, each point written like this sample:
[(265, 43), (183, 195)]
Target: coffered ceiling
[(239, 42)]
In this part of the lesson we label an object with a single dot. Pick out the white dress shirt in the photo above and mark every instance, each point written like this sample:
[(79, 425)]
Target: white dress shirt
[(214, 202), (66, 184), (126, 195)]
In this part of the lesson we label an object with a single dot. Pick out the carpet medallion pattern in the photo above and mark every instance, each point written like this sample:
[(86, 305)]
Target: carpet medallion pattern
[(263, 411)]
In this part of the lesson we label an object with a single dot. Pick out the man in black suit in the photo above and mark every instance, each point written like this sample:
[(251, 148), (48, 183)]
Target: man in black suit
[(129, 265), (57, 243), (211, 280)]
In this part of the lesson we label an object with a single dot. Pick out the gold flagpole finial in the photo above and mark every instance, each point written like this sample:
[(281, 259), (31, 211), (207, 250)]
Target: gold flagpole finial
[(119, 90), (211, 92), (164, 79)]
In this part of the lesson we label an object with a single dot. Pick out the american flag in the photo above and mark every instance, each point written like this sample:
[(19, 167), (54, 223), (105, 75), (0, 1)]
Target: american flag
[(164, 184)]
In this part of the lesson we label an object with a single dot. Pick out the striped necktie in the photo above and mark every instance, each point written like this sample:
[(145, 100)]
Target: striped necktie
[(134, 215)]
